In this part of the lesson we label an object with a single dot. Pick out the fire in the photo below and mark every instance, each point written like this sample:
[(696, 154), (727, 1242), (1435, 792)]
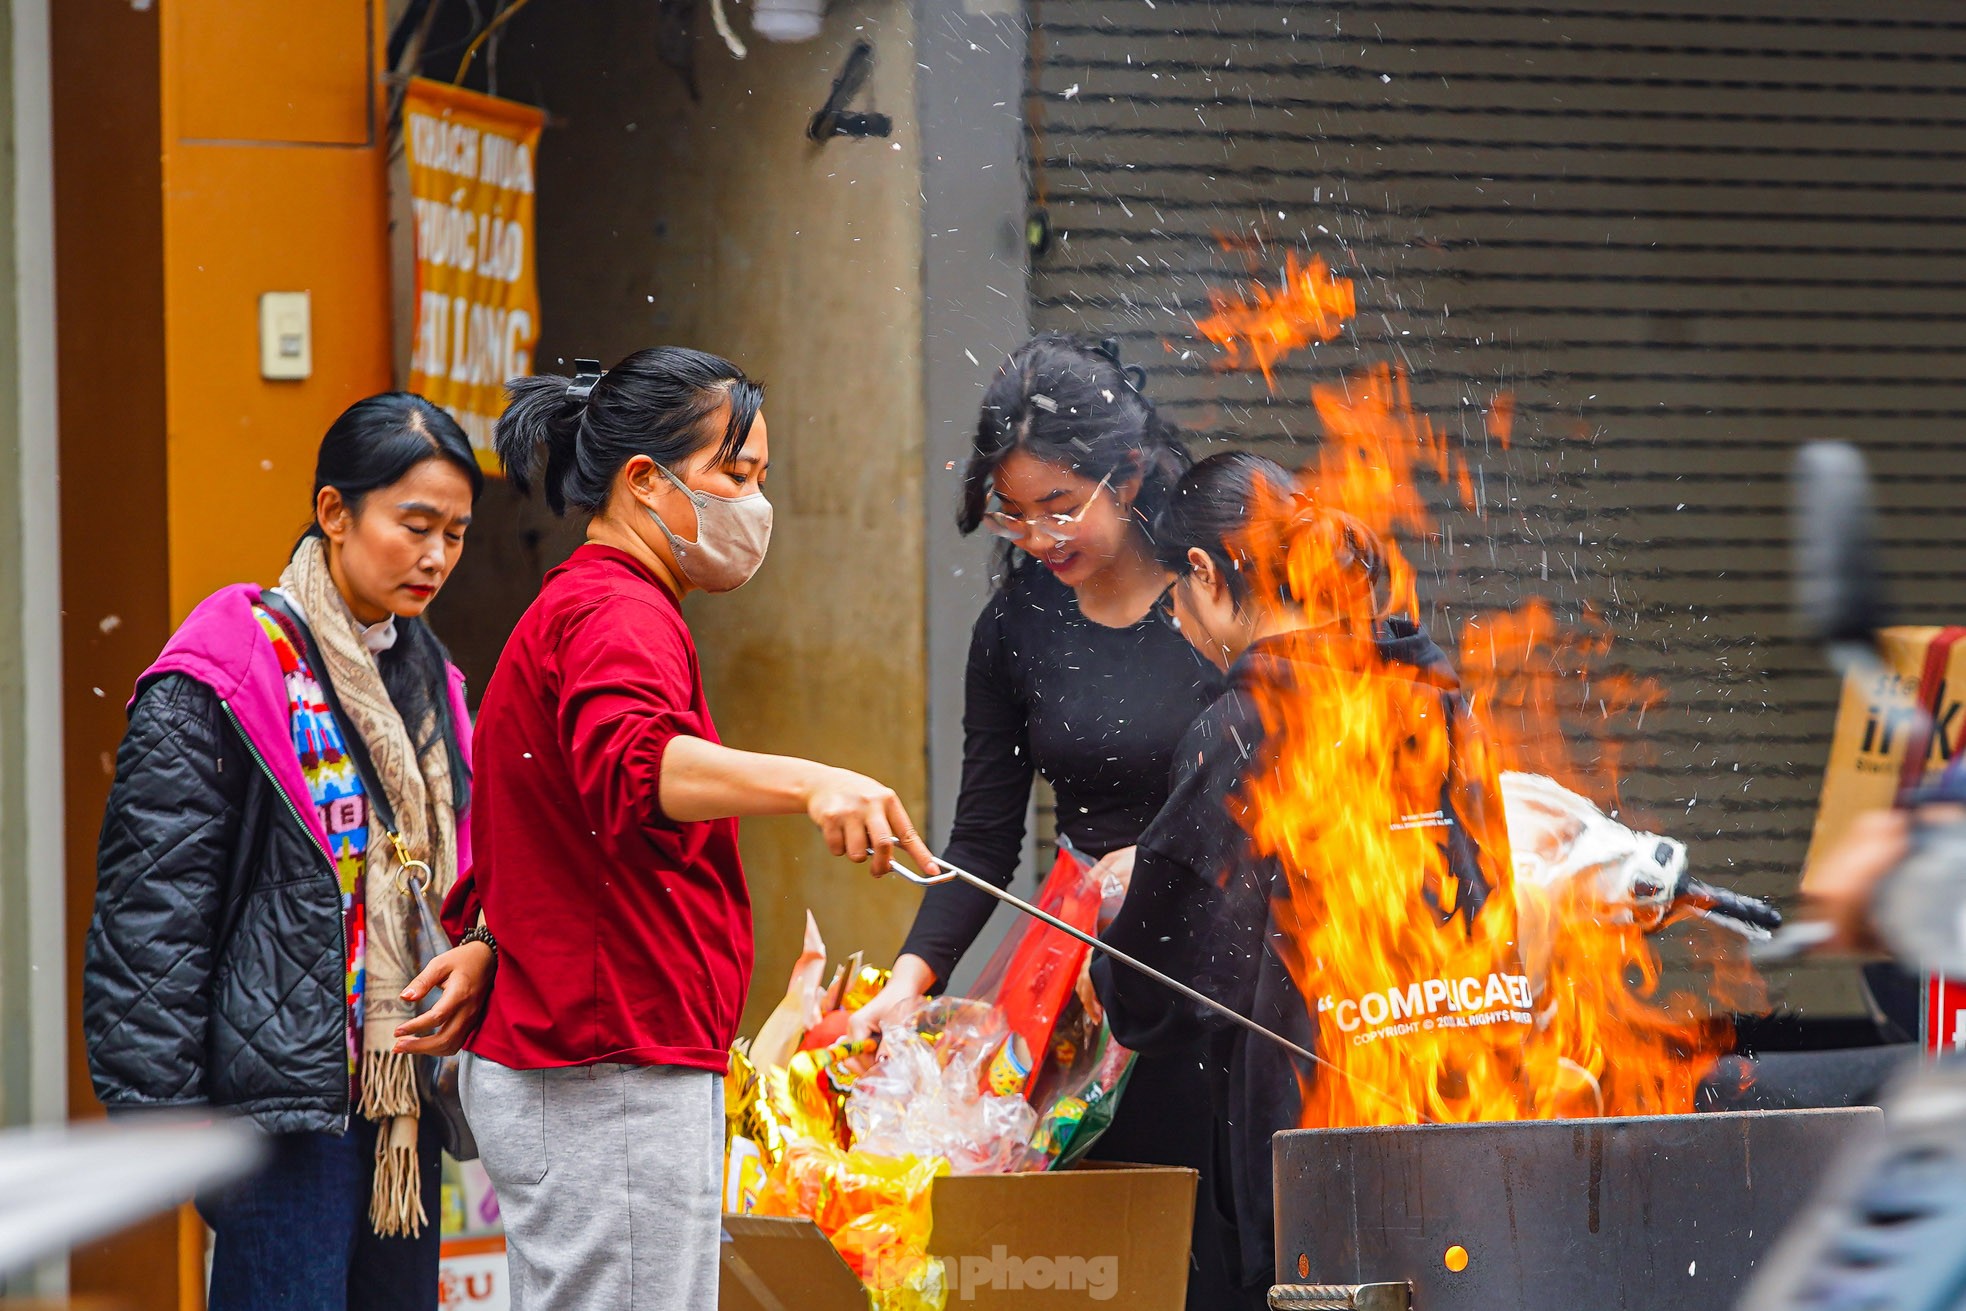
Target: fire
[(1311, 304), (1522, 668), (1442, 989)]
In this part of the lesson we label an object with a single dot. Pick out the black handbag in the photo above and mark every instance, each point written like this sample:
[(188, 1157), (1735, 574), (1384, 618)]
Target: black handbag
[(436, 1076)]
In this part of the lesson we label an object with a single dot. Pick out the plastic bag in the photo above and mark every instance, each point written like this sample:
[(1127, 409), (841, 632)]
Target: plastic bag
[(1033, 973), (810, 1091), (1112, 888), (1077, 1090), (874, 1210), (929, 1091), (1076, 1070)]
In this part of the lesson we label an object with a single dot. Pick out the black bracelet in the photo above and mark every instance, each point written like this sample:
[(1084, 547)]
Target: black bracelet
[(479, 933)]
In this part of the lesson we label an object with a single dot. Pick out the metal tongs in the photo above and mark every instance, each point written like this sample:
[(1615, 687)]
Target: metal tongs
[(951, 873)]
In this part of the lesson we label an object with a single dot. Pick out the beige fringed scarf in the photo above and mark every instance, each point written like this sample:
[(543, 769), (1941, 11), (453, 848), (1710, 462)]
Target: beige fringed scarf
[(420, 792)]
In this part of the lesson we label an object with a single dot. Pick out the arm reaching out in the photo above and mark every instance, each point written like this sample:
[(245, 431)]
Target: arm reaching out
[(862, 819), (641, 753)]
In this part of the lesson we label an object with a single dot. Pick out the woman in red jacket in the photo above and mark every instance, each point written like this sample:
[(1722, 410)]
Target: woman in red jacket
[(606, 838)]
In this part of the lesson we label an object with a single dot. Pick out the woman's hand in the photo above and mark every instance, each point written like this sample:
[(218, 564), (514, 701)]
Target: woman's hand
[(1115, 869), (1841, 888), (1838, 888), (862, 819), (1088, 995), (909, 981), (465, 975)]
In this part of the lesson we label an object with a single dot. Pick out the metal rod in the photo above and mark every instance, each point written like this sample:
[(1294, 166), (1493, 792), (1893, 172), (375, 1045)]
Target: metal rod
[(1227, 1012), (1341, 1297)]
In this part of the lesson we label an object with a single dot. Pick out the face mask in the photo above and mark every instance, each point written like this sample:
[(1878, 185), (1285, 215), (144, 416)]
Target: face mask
[(732, 533)]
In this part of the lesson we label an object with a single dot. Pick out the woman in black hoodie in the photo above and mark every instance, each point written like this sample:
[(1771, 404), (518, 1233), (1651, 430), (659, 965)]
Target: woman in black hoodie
[(1204, 904)]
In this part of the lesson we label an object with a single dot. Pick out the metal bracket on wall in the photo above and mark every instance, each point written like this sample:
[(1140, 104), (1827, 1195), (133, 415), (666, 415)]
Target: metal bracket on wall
[(833, 118), (1341, 1297)]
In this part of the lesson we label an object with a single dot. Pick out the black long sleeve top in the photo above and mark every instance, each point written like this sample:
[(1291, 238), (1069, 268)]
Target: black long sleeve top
[(1096, 710), (1199, 908)]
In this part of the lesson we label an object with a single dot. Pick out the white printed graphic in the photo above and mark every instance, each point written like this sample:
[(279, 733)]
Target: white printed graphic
[(1464, 1003)]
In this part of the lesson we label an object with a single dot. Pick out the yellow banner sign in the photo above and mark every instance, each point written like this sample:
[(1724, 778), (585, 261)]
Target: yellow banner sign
[(471, 172)]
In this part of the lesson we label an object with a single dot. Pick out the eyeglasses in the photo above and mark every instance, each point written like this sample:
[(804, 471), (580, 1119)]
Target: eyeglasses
[(1163, 608), (1058, 527)]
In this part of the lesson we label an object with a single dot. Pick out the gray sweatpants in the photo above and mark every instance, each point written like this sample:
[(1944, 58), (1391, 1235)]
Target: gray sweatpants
[(609, 1179)]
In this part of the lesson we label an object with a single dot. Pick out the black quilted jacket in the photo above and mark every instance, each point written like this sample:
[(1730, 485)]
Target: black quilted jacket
[(214, 968)]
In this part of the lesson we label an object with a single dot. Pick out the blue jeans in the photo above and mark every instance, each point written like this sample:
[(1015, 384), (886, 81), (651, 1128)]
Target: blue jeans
[(296, 1236)]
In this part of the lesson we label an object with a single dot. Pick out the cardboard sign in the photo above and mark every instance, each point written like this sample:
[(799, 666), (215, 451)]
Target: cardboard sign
[(1895, 726), (471, 169), (1878, 721), (471, 1275)]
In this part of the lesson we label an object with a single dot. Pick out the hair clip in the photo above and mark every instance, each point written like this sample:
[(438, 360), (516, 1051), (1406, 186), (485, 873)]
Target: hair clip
[(1135, 376), (1044, 402), (585, 374)]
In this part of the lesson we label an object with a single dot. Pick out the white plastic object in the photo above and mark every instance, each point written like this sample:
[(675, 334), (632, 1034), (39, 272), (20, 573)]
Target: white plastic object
[(924, 1095), (787, 20), (1558, 837), (286, 335)]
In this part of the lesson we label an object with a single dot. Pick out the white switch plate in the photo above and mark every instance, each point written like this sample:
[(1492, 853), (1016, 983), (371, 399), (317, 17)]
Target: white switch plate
[(286, 335)]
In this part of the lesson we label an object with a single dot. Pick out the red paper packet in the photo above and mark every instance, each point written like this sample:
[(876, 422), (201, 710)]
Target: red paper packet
[(1032, 974)]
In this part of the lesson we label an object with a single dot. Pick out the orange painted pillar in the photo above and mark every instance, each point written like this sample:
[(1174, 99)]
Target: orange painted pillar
[(274, 180)]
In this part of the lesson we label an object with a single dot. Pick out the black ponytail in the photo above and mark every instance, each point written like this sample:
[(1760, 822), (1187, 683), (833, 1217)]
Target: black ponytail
[(656, 403), (374, 444), (1070, 402), (1246, 513)]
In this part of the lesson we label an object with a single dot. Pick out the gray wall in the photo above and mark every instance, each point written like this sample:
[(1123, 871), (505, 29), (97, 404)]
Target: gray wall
[(31, 971), (1683, 236), (33, 1010), (975, 297)]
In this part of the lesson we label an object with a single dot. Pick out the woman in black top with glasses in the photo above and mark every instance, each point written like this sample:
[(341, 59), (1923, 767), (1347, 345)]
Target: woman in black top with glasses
[(1073, 675)]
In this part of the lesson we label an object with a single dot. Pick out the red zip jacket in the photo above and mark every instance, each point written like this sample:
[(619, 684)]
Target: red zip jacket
[(623, 935)]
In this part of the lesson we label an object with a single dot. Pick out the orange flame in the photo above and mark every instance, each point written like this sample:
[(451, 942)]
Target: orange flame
[(1311, 304), (1522, 668), (1441, 987), (1501, 419)]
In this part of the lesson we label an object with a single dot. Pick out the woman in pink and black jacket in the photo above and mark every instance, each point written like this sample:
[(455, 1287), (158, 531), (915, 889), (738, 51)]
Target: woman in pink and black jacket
[(251, 950)]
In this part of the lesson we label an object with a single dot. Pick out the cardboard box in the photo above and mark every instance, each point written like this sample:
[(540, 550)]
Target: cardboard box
[(1878, 725), (1877, 720), (1095, 1235)]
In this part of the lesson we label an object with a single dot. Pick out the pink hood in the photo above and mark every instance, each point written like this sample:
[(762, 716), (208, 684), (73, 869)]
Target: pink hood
[(221, 645)]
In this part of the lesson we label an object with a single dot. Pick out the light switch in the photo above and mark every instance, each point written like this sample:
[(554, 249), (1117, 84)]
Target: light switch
[(286, 335)]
